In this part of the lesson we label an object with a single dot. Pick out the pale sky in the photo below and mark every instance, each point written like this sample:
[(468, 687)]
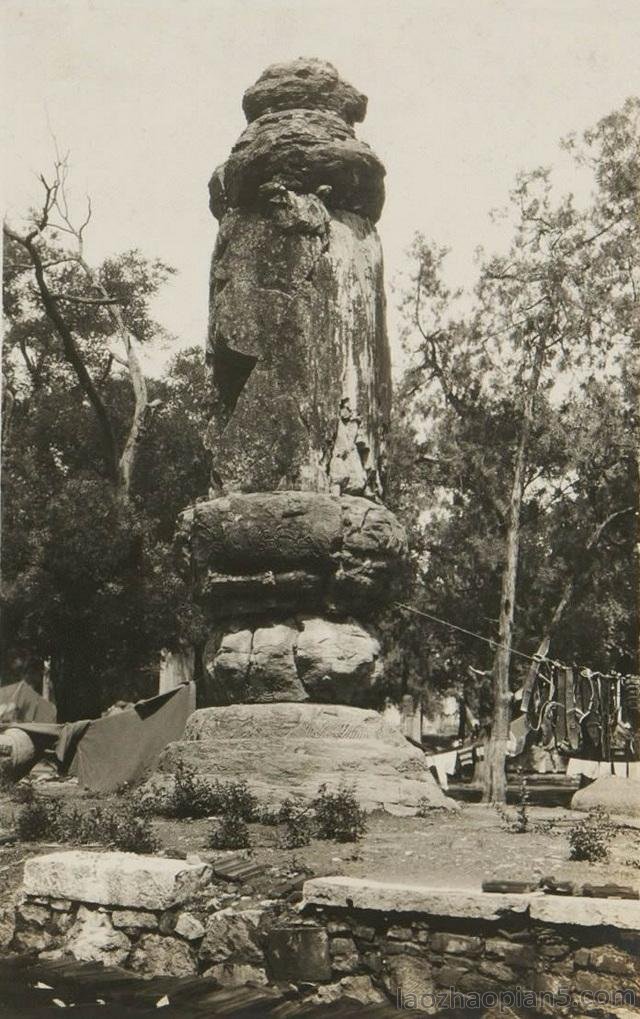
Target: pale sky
[(147, 96)]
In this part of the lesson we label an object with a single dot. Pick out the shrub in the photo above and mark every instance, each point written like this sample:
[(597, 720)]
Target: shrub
[(190, 795), (120, 829), (517, 823), (338, 815), (589, 839), (235, 799), (132, 833), (230, 833), (198, 797), (23, 792), (36, 821), (298, 825), (425, 808)]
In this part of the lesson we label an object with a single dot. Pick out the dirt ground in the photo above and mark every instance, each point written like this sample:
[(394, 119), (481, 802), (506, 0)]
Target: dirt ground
[(459, 849)]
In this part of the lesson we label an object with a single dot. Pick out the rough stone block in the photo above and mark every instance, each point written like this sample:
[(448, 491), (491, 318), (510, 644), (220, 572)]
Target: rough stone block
[(303, 84), (410, 980), (32, 941), (114, 879), (623, 914), (189, 927), (298, 954), (456, 944), (337, 661), (342, 946), (286, 750), (449, 976), (513, 954), (372, 961), (237, 974), (581, 957), (134, 918), (158, 956), (614, 793), (610, 960), (354, 988), (587, 982), (554, 984), (498, 971), (391, 897), (287, 550), (232, 937), (7, 925), (93, 938), (31, 913)]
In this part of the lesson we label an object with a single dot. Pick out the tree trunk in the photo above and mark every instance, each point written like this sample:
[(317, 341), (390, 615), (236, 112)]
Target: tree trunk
[(495, 781), (71, 351), (141, 409)]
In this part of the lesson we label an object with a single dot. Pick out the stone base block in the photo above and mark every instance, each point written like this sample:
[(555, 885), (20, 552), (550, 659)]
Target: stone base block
[(289, 750), (114, 879), (614, 793)]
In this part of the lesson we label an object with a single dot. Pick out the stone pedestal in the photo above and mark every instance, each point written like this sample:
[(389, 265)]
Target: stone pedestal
[(286, 751)]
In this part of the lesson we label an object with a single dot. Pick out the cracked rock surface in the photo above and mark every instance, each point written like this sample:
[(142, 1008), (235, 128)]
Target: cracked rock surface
[(304, 84), (290, 550), (309, 657)]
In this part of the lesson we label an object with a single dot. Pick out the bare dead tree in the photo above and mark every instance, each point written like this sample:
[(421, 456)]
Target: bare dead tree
[(54, 216)]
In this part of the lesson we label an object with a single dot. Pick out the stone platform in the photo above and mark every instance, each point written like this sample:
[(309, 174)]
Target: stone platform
[(288, 750)]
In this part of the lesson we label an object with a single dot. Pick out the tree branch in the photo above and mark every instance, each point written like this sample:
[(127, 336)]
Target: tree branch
[(70, 347)]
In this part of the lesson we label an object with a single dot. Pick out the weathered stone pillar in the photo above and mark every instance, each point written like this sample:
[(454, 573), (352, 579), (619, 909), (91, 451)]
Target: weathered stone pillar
[(294, 553)]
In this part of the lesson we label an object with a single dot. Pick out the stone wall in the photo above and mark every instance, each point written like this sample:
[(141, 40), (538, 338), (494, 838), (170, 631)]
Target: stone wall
[(429, 949)]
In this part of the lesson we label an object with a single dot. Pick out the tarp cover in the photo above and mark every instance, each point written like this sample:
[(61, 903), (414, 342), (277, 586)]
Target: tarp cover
[(121, 747), (19, 702)]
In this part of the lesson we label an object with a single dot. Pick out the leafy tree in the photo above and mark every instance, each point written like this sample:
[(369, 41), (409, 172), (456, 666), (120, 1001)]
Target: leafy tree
[(505, 385), (73, 299), (90, 489)]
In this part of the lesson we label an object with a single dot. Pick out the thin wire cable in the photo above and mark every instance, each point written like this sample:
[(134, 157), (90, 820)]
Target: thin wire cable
[(492, 643), (470, 633)]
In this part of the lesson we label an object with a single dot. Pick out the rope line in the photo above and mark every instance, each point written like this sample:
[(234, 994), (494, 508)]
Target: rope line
[(496, 644), (470, 633)]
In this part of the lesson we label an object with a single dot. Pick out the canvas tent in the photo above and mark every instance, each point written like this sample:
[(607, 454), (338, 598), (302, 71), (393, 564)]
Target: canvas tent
[(19, 702), (105, 753), (120, 748)]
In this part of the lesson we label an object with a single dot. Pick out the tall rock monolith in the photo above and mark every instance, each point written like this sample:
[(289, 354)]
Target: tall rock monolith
[(294, 553)]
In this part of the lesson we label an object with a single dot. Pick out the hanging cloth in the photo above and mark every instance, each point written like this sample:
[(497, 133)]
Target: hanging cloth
[(561, 697), (592, 720), (571, 713)]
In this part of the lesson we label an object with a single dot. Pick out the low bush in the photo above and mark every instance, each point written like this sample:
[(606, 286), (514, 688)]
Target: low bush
[(230, 833), (425, 808), (298, 825), (589, 839), (120, 828), (36, 821), (338, 815), (194, 797)]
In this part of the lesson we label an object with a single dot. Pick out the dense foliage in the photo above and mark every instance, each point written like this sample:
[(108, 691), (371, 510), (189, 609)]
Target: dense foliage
[(566, 291), (88, 577)]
